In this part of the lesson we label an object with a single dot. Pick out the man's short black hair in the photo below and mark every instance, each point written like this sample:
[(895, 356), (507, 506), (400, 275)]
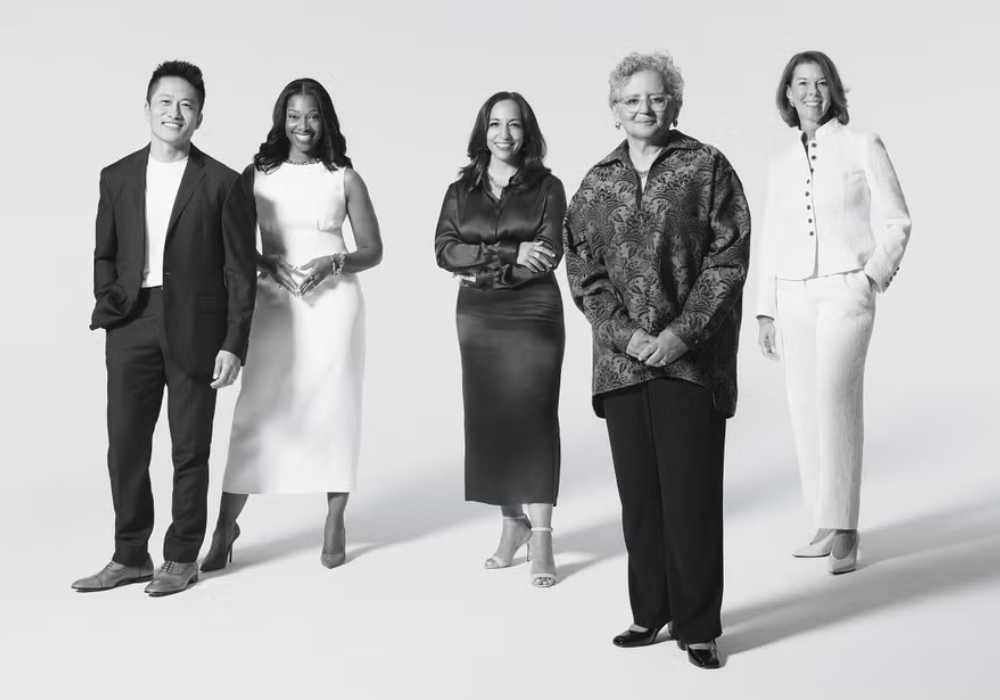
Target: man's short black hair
[(179, 69)]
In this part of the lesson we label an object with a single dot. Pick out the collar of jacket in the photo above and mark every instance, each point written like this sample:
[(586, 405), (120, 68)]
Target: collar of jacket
[(824, 132), (675, 140), (195, 156)]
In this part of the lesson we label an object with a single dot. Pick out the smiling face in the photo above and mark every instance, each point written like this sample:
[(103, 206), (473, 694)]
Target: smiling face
[(809, 93), (505, 131), (644, 108), (303, 126), (173, 111)]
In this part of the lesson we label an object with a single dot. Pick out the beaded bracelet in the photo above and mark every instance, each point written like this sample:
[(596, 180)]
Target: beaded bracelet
[(338, 264)]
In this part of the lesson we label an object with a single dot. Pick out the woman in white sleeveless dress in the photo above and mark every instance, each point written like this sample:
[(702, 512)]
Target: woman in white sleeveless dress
[(297, 423)]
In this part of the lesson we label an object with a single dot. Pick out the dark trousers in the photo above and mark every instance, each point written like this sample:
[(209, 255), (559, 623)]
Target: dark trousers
[(139, 367), (668, 447)]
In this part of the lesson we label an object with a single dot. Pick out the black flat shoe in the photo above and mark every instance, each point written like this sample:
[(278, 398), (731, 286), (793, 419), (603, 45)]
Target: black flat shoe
[(702, 657), (631, 638)]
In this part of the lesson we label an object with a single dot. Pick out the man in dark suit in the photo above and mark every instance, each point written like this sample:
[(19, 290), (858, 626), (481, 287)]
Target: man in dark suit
[(174, 286)]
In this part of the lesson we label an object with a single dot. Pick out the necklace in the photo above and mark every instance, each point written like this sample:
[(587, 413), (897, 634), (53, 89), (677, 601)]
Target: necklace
[(496, 184), (311, 161)]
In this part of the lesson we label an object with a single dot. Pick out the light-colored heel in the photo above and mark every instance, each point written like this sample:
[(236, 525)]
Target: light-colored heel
[(542, 579), (847, 564), (816, 549), (496, 561)]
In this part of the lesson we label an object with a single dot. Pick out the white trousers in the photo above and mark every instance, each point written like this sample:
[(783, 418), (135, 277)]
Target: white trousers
[(826, 325)]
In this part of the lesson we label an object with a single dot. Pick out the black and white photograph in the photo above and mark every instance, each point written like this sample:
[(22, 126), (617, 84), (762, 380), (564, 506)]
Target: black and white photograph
[(557, 349)]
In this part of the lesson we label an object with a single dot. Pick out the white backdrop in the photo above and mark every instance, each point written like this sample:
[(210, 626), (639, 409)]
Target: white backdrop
[(413, 610)]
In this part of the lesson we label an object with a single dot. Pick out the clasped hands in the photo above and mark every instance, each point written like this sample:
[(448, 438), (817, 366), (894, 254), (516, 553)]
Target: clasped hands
[(655, 350), (299, 280)]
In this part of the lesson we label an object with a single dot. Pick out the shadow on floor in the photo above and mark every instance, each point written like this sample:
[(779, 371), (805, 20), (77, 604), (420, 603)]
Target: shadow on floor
[(604, 539), (376, 517), (597, 542), (395, 504), (395, 509), (926, 557)]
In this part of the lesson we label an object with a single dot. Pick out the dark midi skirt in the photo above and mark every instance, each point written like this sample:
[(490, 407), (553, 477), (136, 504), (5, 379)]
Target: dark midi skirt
[(512, 343)]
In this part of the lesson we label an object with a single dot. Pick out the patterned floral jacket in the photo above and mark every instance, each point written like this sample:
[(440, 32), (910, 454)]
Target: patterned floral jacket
[(674, 255)]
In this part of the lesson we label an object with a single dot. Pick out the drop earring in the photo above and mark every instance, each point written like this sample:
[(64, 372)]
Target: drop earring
[(618, 125)]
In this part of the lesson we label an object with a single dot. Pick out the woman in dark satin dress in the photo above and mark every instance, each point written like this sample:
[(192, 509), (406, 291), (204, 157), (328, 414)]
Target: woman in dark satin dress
[(500, 233)]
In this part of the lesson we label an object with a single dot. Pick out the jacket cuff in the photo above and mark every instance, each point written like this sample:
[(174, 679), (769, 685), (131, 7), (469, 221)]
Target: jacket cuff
[(231, 344), (767, 302), (619, 333), (683, 330), (881, 279)]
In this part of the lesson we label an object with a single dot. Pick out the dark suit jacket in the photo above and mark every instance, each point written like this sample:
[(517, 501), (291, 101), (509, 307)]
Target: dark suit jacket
[(209, 268)]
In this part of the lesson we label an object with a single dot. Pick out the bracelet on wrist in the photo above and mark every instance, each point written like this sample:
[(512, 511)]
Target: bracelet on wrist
[(338, 260)]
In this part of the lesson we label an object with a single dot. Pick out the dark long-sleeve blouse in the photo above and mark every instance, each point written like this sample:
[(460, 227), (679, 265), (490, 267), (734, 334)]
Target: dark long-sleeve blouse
[(674, 255), (480, 234)]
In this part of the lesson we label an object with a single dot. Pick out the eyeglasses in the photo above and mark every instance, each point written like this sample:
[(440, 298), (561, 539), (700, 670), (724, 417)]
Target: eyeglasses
[(657, 103)]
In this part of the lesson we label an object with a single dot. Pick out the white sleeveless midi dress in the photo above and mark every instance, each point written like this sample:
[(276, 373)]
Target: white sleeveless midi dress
[(297, 422)]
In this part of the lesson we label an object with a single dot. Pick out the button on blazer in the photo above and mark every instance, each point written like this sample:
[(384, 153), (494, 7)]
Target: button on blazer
[(834, 204)]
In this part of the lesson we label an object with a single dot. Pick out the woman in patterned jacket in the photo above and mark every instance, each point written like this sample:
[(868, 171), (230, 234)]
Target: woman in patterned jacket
[(657, 247)]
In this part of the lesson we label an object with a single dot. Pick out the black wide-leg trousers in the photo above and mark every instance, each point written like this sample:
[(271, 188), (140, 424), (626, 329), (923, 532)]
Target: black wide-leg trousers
[(139, 368), (668, 447)]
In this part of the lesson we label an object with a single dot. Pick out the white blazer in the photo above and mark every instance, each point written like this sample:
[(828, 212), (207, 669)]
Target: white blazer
[(838, 208)]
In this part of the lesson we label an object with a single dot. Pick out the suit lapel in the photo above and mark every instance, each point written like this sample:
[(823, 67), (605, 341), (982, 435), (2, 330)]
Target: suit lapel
[(193, 175), (137, 184)]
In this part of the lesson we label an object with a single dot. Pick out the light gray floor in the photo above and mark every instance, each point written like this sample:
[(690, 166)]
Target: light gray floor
[(413, 610)]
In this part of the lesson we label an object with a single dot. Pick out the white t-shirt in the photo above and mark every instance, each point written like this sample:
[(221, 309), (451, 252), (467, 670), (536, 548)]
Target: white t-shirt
[(162, 182)]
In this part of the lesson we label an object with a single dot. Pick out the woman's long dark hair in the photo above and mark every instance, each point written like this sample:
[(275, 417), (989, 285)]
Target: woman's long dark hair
[(532, 151), (332, 148)]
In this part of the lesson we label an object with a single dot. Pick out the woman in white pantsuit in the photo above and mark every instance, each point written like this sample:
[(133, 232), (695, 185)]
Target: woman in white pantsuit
[(835, 230)]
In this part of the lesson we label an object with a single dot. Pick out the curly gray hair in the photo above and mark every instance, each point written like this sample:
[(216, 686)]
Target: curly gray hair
[(659, 61)]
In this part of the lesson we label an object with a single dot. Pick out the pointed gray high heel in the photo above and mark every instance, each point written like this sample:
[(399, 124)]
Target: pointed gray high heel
[(837, 565), (816, 549), (332, 560), (338, 557)]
